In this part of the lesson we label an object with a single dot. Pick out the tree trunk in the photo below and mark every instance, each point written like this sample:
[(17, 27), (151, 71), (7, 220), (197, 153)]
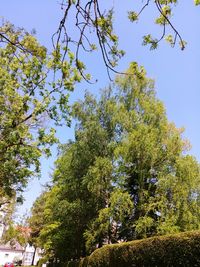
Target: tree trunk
[(35, 248)]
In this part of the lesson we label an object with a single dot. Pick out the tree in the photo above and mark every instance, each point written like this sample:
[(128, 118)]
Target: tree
[(33, 99), (71, 204), (37, 219), (25, 71), (73, 200), (92, 21), (16, 232), (175, 204), (150, 155), (125, 176), (7, 208)]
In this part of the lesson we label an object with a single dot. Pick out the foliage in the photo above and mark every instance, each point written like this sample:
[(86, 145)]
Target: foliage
[(37, 220), (126, 175), (92, 28), (32, 98), (31, 103), (16, 232), (7, 206), (93, 23), (170, 250)]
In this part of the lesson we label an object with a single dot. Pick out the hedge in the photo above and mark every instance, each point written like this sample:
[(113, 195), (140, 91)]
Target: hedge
[(171, 250)]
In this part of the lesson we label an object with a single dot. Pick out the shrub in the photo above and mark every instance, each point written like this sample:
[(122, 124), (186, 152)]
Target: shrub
[(170, 250)]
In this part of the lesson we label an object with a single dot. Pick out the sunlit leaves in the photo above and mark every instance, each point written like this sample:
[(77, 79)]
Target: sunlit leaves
[(133, 16), (148, 40), (197, 2), (33, 95), (124, 176)]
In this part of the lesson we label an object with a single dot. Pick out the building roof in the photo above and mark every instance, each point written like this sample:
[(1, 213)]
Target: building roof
[(12, 245)]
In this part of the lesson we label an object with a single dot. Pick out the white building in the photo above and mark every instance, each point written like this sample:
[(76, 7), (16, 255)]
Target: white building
[(31, 254), (11, 252)]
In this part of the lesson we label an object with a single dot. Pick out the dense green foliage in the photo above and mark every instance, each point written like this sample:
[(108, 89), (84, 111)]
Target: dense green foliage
[(37, 220), (171, 250), (125, 176), (33, 99), (14, 233), (28, 97)]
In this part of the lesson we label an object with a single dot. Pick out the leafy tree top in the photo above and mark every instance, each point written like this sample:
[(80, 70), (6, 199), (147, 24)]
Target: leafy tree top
[(34, 95)]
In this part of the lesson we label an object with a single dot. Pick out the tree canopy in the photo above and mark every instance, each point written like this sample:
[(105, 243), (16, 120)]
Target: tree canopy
[(87, 26), (126, 175), (93, 22), (29, 97), (31, 104)]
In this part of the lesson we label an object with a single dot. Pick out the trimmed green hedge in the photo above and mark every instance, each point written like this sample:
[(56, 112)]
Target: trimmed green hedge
[(172, 250)]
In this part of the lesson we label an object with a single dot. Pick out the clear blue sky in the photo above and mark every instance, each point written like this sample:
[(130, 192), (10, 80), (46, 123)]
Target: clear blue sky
[(176, 72)]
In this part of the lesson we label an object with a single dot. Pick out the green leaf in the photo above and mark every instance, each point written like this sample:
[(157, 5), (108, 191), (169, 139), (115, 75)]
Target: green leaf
[(197, 2)]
